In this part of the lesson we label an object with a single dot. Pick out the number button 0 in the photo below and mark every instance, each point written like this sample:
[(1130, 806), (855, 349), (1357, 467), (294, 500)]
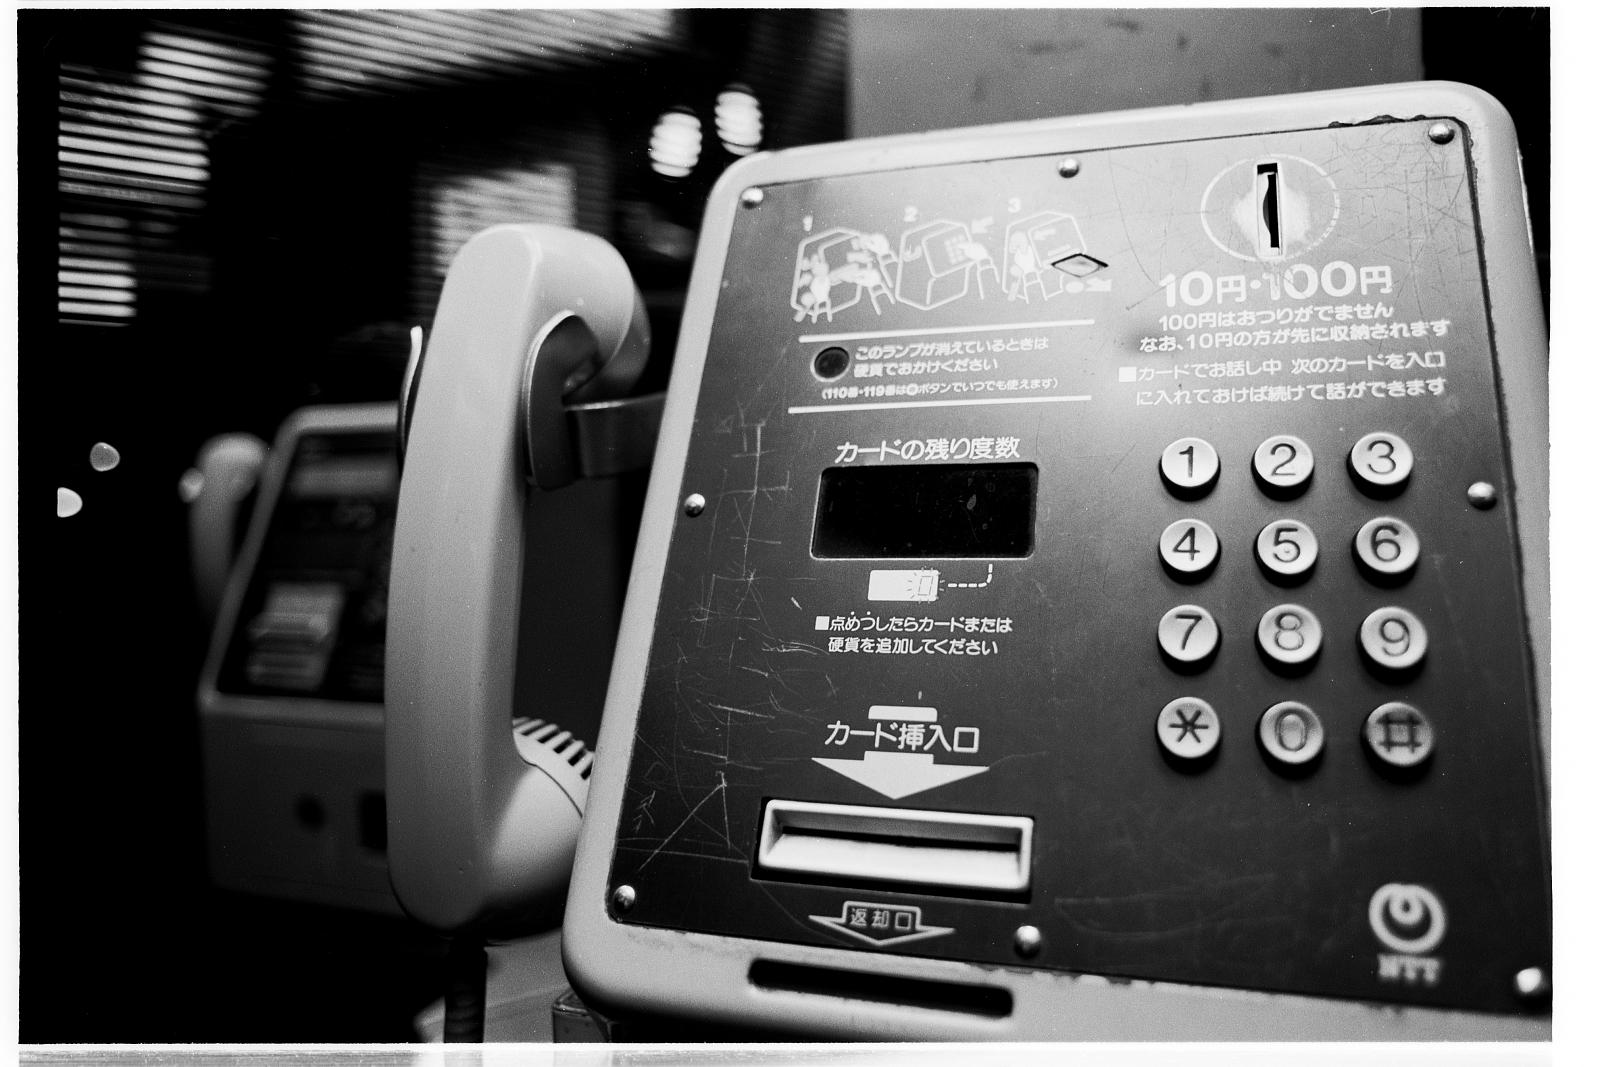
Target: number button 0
[(1189, 547), (1189, 467), (1188, 635), (1286, 548), (1290, 734), (1283, 465), (1387, 547), (1394, 639), (1381, 462), (1289, 635)]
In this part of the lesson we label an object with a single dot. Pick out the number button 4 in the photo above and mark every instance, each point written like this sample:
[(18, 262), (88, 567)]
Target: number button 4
[(1188, 636), (1387, 548), (1289, 636), (1189, 467), (1393, 639), (1283, 465), (1189, 548), (1287, 549)]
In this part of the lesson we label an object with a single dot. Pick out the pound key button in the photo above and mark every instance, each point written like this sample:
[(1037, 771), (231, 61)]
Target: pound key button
[(1188, 728), (1399, 735), (1189, 467)]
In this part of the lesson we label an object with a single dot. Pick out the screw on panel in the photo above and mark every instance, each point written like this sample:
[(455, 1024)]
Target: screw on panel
[(1532, 983), (1028, 941), (751, 197), (623, 898), (1441, 133), (1481, 495), (1068, 167), (693, 504)]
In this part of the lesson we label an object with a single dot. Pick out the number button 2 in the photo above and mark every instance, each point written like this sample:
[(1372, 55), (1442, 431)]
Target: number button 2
[(1189, 548), (1289, 635), (1381, 463), (1387, 548), (1188, 636), (1283, 465), (1286, 548), (1189, 467), (1393, 639)]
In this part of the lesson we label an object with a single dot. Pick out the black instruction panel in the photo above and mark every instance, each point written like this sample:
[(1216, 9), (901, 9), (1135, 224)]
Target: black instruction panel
[(1159, 497)]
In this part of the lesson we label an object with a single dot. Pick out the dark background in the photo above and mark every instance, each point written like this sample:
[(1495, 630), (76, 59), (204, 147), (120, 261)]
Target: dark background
[(308, 232)]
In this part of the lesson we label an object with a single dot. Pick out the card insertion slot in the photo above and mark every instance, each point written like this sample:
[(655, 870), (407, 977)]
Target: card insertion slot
[(942, 850)]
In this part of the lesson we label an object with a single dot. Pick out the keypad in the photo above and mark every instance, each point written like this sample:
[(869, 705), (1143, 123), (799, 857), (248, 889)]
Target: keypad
[(1289, 637)]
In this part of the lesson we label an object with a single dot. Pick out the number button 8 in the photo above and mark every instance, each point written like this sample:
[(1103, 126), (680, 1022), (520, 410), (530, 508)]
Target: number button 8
[(1393, 639), (1286, 548), (1381, 462), (1289, 635), (1189, 548), (1189, 467), (1283, 465), (1387, 547)]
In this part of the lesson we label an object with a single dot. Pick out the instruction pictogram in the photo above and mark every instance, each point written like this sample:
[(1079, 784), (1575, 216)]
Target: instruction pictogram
[(880, 924)]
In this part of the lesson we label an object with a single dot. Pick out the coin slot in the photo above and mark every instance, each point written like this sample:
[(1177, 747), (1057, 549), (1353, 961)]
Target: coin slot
[(944, 851), (1269, 228)]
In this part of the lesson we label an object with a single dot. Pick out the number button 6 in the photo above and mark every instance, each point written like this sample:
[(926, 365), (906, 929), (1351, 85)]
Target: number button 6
[(1188, 636), (1393, 639), (1387, 547)]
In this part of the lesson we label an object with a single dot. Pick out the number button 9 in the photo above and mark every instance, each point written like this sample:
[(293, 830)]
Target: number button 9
[(1188, 635), (1189, 548), (1381, 463), (1393, 639), (1289, 635), (1283, 465), (1286, 548), (1189, 467), (1387, 547)]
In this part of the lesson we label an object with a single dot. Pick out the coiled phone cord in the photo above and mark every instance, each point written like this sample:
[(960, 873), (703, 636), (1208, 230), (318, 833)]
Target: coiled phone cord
[(466, 990)]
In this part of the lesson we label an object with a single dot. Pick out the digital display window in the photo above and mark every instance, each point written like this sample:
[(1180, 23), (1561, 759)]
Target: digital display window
[(933, 511)]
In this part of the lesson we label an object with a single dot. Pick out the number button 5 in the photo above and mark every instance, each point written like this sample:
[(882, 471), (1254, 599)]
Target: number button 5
[(1286, 548), (1387, 548), (1189, 548), (1188, 636), (1393, 639), (1283, 465)]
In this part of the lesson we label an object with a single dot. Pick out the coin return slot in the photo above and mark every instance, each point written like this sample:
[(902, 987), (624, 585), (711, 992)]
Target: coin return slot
[(949, 851)]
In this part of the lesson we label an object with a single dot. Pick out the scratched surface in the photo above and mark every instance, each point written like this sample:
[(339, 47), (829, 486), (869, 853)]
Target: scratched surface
[(1236, 875)]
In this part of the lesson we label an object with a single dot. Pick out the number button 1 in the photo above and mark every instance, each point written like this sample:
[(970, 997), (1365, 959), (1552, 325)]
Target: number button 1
[(1387, 547), (1289, 635), (1381, 462), (1189, 547), (1286, 548), (1393, 639), (1188, 635), (1189, 467), (1283, 465)]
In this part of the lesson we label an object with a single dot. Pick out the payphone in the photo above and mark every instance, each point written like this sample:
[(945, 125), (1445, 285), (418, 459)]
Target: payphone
[(1093, 585)]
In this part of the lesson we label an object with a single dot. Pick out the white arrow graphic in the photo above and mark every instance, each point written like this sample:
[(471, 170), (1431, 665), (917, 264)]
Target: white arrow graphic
[(898, 774)]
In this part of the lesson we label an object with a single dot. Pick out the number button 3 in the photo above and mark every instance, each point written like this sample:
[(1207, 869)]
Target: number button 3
[(1287, 549), (1188, 636), (1381, 463), (1289, 636), (1189, 548), (1283, 465), (1393, 639), (1189, 467)]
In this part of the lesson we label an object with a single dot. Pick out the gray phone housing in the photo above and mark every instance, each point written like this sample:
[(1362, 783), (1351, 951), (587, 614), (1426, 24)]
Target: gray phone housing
[(681, 920)]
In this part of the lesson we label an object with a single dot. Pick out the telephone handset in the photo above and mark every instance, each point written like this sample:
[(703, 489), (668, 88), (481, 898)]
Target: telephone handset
[(484, 800)]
